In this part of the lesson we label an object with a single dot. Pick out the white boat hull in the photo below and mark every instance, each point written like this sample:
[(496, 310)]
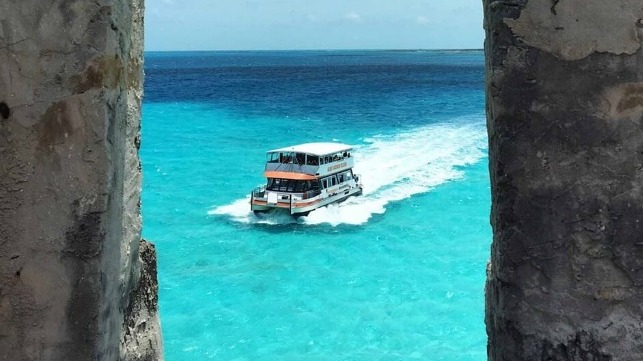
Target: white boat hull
[(300, 207)]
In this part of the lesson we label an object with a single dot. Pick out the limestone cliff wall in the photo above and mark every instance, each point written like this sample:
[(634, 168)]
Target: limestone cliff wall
[(565, 121), (70, 95)]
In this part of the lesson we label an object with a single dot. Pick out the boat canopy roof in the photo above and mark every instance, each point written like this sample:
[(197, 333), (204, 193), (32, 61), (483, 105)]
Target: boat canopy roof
[(315, 148)]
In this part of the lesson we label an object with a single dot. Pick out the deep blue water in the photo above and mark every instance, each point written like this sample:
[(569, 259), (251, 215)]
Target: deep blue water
[(396, 274)]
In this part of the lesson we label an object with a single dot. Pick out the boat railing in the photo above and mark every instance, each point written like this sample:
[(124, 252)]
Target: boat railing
[(295, 168), (311, 193), (260, 192), (327, 168)]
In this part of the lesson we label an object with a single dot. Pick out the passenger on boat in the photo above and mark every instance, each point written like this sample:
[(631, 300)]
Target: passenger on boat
[(312, 160), (300, 158)]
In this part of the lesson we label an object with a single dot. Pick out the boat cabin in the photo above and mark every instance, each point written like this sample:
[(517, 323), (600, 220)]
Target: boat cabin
[(314, 159)]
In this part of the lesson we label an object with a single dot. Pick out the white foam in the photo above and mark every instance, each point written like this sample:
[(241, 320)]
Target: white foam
[(392, 168), (239, 211)]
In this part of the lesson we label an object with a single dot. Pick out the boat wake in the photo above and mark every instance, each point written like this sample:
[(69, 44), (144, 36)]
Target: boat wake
[(392, 168)]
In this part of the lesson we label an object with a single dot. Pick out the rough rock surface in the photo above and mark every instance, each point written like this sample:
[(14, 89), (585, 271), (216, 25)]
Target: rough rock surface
[(141, 341), (565, 122), (70, 94)]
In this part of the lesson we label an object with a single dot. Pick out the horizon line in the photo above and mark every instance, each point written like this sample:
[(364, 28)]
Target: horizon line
[(347, 49)]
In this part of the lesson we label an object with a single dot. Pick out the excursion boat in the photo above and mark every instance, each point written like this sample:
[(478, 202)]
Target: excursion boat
[(304, 177)]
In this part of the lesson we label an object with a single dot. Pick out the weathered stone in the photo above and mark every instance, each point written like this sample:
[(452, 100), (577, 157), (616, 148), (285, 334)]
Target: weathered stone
[(574, 29), (564, 110), (142, 341), (70, 96)]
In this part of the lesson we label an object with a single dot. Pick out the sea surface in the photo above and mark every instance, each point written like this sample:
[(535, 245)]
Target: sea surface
[(396, 274)]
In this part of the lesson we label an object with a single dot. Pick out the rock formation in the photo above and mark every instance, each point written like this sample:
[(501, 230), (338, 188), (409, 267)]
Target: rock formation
[(73, 283), (565, 122)]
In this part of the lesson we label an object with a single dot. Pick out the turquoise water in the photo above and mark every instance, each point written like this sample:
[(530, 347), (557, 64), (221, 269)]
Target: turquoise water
[(396, 274)]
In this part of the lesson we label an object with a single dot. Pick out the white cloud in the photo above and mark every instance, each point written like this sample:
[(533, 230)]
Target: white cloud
[(421, 20), (353, 16)]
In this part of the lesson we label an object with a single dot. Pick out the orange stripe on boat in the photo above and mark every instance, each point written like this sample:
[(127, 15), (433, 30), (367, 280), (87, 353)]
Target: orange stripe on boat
[(304, 204), (289, 175)]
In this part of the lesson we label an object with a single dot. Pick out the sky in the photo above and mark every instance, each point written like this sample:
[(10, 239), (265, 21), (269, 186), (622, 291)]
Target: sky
[(312, 24)]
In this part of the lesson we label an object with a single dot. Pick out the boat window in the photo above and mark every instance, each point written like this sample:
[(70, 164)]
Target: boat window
[(274, 185), (284, 185), (348, 175), (272, 157), (324, 183), (340, 177), (286, 157), (326, 159), (300, 158), (333, 180), (290, 185), (312, 160)]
